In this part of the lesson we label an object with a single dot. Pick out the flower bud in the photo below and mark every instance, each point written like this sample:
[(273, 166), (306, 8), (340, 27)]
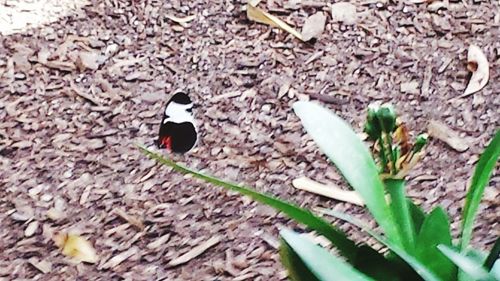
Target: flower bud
[(387, 116), (372, 125), (420, 142)]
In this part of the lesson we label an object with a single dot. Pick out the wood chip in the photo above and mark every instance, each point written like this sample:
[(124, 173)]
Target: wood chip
[(137, 223), (442, 132), (31, 229), (196, 251), (314, 26), (85, 96), (121, 257), (410, 87), (344, 12), (42, 265), (159, 242)]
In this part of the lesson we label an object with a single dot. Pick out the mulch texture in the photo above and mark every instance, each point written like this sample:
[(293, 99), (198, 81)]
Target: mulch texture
[(78, 94)]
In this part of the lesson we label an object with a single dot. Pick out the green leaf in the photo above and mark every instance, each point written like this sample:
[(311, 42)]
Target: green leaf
[(417, 266), (322, 264), (468, 265), (495, 270), (417, 215), (480, 179), (435, 230), (493, 255), (345, 149), (375, 265), (297, 270), (346, 247)]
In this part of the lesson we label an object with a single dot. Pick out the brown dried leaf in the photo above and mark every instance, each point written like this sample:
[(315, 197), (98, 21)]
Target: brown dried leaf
[(478, 64), (196, 251), (442, 132), (256, 14), (314, 26)]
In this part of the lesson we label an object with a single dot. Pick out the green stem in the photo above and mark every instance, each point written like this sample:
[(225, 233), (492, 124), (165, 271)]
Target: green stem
[(401, 212), (392, 155), (383, 155)]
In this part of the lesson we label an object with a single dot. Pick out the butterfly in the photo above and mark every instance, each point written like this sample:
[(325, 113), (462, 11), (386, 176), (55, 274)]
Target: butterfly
[(178, 132)]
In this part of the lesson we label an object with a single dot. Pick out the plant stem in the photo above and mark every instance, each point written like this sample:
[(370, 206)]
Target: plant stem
[(401, 212), (383, 155), (392, 155)]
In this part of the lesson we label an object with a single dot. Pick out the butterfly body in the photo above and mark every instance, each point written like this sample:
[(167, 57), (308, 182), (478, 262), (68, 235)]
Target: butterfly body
[(178, 132)]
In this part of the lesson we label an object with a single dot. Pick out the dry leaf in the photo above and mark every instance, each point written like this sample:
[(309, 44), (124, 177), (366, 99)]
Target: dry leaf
[(442, 132), (478, 64), (196, 251), (182, 21), (256, 14), (76, 247), (344, 12), (327, 191), (314, 26)]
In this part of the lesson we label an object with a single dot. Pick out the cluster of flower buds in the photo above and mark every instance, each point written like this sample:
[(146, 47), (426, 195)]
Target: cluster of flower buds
[(396, 156)]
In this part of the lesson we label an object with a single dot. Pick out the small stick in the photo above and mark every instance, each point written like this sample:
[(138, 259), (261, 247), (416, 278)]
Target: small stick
[(328, 191)]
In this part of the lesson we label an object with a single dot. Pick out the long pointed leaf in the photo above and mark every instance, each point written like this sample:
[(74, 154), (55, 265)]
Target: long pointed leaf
[(493, 255), (297, 270), (346, 247), (467, 264), (480, 179), (324, 265), (345, 149), (436, 230), (419, 268)]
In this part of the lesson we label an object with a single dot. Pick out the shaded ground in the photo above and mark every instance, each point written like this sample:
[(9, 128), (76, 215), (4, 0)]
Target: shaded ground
[(68, 132)]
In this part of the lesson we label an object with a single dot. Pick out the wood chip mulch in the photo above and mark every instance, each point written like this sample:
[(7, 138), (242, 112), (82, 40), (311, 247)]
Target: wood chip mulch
[(79, 93)]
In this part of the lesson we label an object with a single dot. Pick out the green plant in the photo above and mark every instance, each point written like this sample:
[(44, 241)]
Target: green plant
[(419, 244)]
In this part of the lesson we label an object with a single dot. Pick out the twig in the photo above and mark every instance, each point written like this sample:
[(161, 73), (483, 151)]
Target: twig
[(328, 191)]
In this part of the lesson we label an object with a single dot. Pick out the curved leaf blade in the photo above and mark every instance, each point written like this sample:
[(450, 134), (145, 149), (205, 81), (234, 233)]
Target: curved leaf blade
[(468, 265), (297, 270), (493, 256), (481, 177), (346, 247), (324, 265), (344, 148), (436, 230), (419, 268)]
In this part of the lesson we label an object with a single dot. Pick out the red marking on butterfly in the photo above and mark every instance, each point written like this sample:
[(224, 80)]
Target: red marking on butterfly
[(167, 142)]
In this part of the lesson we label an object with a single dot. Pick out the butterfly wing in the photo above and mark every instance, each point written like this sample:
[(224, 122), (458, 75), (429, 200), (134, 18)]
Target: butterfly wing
[(177, 130)]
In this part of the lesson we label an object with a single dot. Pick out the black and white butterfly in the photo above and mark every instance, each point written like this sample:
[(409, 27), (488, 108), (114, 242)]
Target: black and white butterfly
[(178, 132)]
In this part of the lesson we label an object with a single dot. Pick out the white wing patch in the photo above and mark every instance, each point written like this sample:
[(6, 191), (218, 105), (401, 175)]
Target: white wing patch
[(178, 113)]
